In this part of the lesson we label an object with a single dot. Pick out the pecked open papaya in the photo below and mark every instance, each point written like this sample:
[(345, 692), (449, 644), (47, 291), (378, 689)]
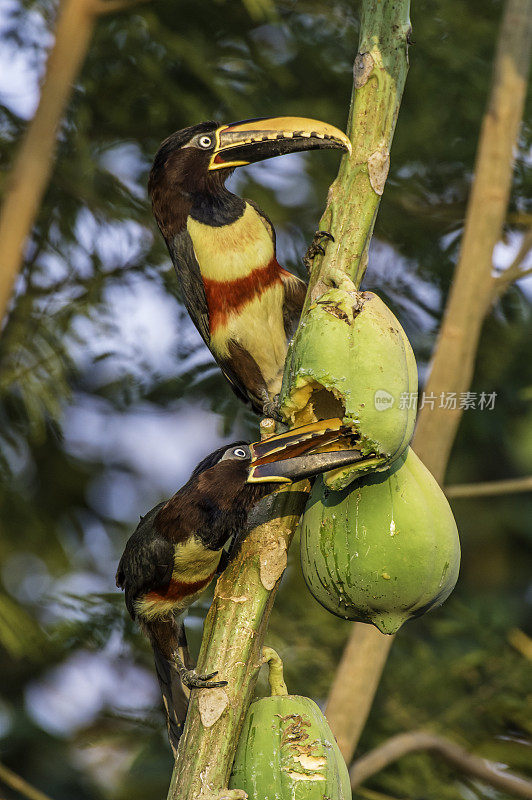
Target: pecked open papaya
[(286, 750), (384, 550), (351, 359)]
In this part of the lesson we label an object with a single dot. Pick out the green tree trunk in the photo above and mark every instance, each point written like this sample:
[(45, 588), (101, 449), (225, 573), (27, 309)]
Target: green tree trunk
[(379, 75)]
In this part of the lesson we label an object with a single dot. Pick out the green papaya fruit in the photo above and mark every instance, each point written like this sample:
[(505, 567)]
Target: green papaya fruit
[(350, 358), (287, 751), (384, 550)]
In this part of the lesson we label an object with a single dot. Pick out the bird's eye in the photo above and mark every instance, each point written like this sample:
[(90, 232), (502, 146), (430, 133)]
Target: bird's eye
[(205, 141), (239, 452)]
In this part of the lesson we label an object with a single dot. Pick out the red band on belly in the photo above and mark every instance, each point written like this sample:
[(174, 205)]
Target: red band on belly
[(226, 297), (179, 590)]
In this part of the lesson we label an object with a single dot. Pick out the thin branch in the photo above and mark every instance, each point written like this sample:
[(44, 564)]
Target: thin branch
[(416, 741), (521, 642), (514, 272), (19, 785), (520, 218), (74, 281), (490, 488)]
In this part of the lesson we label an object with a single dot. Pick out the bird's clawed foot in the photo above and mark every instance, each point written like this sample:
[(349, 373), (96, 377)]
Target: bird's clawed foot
[(316, 246), (270, 408), (194, 681)]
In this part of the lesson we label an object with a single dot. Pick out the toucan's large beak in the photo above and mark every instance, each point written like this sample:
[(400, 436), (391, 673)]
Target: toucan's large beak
[(256, 139), (303, 452)]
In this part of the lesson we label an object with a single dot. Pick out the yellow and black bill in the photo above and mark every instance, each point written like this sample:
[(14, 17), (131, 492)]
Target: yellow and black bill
[(303, 452), (251, 140)]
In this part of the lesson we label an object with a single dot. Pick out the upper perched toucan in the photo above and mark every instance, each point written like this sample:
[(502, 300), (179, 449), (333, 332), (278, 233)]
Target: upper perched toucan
[(177, 547), (244, 304)]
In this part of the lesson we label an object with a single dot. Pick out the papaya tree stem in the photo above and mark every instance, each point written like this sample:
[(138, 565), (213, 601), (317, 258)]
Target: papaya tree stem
[(379, 76), (236, 623)]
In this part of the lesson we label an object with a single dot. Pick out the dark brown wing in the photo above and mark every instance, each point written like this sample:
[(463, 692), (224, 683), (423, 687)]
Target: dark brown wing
[(191, 283), (147, 561), (189, 276), (245, 376), (295, 291)]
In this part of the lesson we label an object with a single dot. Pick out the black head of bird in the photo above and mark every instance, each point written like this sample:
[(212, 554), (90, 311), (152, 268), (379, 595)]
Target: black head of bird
[(176, 549), (244, 304)]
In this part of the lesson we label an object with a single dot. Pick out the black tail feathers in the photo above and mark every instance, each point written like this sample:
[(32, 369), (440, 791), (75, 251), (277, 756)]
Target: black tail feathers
[(167, 640), (175, 700)]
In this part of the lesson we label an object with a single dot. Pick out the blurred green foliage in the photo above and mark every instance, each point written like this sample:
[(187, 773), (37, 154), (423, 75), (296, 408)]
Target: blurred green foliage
[(150, 71)]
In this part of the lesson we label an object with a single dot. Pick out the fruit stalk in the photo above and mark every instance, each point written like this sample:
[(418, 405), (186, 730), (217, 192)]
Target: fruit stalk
[(275, 672)]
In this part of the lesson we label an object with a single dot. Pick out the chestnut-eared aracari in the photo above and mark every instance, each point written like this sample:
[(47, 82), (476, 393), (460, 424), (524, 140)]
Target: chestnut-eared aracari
[(177, 547), (243, 303)]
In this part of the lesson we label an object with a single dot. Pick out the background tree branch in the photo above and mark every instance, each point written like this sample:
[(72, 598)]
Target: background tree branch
[(470, 295), (490, 488), (404, 743), (18, 784), (515, 271), (33, 164)]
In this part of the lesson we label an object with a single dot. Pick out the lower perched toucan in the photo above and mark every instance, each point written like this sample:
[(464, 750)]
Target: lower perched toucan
[(176, 549), (244, 304)]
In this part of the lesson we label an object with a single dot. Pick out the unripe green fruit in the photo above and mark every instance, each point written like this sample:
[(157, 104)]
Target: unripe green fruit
[(287, 751), (351, 359), (384, 550)]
